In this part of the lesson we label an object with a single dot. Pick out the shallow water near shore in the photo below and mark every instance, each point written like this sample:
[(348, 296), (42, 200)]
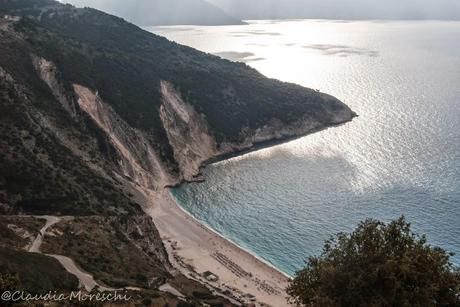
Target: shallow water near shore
[(400, 156)]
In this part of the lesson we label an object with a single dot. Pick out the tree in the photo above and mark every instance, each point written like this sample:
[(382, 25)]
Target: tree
[(377, 265)]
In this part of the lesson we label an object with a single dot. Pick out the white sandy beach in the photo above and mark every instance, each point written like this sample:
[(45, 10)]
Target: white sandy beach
[(192, 245)]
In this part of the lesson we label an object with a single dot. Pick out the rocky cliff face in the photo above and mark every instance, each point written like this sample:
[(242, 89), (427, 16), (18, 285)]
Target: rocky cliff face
[(190, 136), (138, 161), (188, 132), (48, 73)]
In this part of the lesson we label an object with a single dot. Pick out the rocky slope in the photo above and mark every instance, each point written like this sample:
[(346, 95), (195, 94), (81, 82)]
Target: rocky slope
[(96, 113)]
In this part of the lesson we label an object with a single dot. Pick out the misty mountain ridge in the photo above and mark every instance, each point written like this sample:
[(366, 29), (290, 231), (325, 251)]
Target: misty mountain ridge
[(232, 12), (336, 9), (162, 12)]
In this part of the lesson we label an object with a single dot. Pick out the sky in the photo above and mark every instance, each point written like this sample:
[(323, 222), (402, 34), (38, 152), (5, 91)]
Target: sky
[(282, 9), (161, 12), (341, 9)]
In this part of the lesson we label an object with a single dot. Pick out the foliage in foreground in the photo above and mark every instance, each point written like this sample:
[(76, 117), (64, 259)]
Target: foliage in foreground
[(378, 265)]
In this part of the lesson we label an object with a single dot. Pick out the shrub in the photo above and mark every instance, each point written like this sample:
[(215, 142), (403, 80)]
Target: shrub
[(378, 265)]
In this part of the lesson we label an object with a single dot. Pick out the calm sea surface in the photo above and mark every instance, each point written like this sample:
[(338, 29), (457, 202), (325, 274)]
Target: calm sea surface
[(401, 156)]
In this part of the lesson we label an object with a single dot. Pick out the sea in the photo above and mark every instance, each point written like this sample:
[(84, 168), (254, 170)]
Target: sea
[(401, 156)]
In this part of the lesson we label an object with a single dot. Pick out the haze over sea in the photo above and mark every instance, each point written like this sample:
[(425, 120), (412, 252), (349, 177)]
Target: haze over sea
[(400, 156)]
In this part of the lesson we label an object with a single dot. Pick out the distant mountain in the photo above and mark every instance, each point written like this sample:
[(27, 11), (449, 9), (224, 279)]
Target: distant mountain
[(342, 9), (162, 12)]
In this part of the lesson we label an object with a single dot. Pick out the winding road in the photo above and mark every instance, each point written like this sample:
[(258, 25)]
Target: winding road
[(86, 280), (50, 221)]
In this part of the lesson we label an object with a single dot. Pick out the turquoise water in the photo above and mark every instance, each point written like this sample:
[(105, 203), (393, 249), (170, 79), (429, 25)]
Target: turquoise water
[(401, 156)]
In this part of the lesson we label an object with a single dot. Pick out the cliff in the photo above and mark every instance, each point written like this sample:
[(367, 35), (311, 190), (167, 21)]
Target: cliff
[(194, 144), (97, 114)]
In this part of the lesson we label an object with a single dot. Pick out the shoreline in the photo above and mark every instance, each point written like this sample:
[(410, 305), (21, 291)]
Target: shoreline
[(194, 248), (227, 239), (259, 145), (256, 146)]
